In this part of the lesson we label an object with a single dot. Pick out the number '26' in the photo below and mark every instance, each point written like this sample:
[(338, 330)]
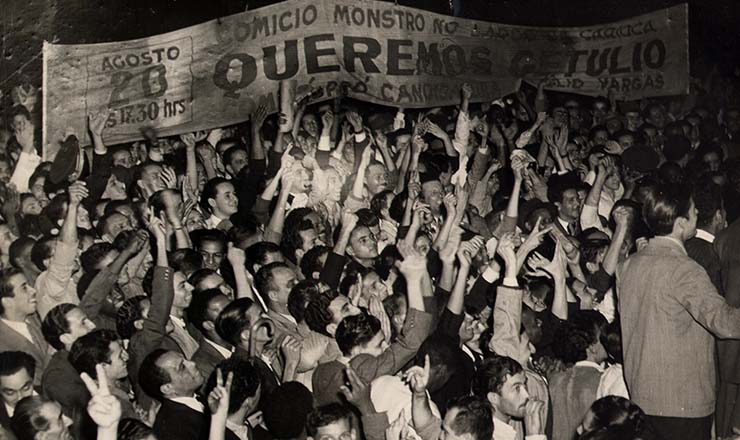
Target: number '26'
[(153, 82)]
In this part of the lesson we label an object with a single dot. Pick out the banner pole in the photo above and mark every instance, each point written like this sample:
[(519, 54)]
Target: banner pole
[(44, 101)]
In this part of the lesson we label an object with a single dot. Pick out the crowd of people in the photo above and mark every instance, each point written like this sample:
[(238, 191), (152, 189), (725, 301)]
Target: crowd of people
[(540, 266)]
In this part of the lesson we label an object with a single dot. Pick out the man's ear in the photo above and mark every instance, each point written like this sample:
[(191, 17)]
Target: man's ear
[(493, 398), (350, 251), (316, 275), (331, 328), (299, 254), (211, 203), (166, 389), (139, 324), (208, 326), (244, 336), (229, 169), (272, 295)]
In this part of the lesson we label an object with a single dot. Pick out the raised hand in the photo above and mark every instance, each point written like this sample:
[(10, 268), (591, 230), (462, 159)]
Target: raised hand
[(507, 248), (236, 256), (327, 119), (218, 398), (291, 350), (24, 134), (168, 177), (534, 418), (417, 377), (467, 91), (96, 121), (77, 192), (156, 225), (259, 116), (355, 120), (375, 307), (103, 408)]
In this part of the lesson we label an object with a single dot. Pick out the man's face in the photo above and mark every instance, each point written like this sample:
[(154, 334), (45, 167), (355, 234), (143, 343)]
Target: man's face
[(122, 158), (569, 206), (657, 116), (128, 212), (24, 296), (16, 386), (237, 162), (6, 239), (375, 346), (31, 206), (712, 161), (363, 243), (339, 430), (433, 193), (282, 282), (690, 229), (212, 253), (376, 179), (83, 218), (626, 140), (340, 308), (115, 224), (448, 433), (310, 239), (600, 137), (185, 379), (37, 189), (310, 124), (470, 329), (215, 307), (226, 202), (319, 226), (514, 396), (633, 121), (116, 368), (183, 291), (151, 180), (560, 116), (79, 324)]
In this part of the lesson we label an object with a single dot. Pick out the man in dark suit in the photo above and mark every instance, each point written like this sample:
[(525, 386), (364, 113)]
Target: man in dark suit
[(711, 219), (20, 326), (16, 382), (173, 380), (728, 351), (202, 314)]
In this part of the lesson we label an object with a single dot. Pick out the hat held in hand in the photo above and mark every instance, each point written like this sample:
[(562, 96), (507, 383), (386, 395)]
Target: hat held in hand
[(67, 165)]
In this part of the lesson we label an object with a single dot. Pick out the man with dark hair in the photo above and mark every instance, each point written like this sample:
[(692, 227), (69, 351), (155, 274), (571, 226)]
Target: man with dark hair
[(174, 380), (244, 396), (501, 381), (564, 194), (572, 391), (364, 344), (56, 285), (298, 240), (211, 245), (333, 420), (17, 370), (261, 254), (468, 418), (62, 326), (220, 201), (20, 326), (325, 311), (670, 311), (711, 219), (103, 347), (19, 256), (202, 314), (274, 282)]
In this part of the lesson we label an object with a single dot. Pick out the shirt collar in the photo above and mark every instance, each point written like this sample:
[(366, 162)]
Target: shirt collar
[(704, 235), (502, 430), (190, 402), (589, 364), (177, 321), (225, 352)]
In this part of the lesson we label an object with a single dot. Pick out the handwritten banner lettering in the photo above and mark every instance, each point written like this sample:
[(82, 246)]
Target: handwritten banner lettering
[(217, 73)]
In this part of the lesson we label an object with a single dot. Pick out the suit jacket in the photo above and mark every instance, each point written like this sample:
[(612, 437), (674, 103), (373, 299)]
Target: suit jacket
[(62, 383), (11, 340), (282, 326), (206, 358), (727, 245), (572, 392), (153, 334), (329, 377), (176, 421), (670, 313), (703, 253)]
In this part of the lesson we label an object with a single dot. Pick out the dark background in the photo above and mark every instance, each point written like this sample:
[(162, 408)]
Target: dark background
[(24, 24)]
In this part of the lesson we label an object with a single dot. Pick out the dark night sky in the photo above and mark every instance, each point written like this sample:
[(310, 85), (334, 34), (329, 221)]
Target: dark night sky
[(713, 23)]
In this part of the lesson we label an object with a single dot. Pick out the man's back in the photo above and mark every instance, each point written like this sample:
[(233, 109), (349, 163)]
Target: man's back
[(668, 309), (572, 392)]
